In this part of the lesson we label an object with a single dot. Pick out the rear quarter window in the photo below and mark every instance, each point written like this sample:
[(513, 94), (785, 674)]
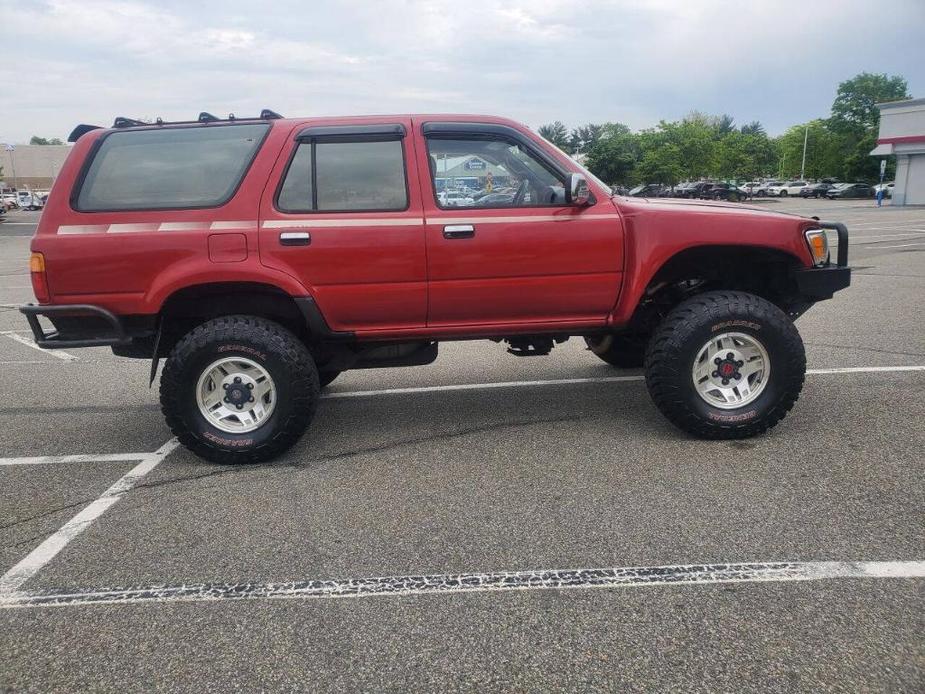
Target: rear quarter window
[(169, 168)]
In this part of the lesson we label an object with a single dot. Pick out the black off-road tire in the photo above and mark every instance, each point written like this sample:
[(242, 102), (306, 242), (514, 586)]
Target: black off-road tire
[(622, 351), (276, 350), (687, 328)]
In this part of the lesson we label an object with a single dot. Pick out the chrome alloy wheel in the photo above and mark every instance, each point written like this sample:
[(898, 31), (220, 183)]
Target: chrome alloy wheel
[(731, 370), (235, 395)]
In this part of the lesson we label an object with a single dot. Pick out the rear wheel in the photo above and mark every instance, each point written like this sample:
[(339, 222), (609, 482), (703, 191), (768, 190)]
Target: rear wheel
[(623, 351), (783, 193), (239, 389), (725, 365)]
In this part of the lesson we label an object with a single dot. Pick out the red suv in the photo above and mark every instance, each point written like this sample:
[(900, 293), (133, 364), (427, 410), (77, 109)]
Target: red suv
[(264, 256)]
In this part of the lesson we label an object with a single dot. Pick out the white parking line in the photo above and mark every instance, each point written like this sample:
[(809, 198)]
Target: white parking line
[(892, 237), (903, 245), (29, 342), (491, 582), (892, 224), (61, 459), (33, 562), (572, 381)]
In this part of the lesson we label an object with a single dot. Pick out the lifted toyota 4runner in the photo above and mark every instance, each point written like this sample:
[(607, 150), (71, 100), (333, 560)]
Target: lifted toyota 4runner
[(264, 256)]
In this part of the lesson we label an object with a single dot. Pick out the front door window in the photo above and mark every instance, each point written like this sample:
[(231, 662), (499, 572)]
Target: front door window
[(490, 172)]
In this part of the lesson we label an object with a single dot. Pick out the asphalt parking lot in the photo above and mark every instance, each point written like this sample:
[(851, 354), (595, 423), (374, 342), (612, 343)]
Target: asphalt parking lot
[(793, 561)]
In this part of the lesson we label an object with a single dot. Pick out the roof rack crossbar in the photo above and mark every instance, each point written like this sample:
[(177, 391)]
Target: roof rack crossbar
[(123, 122)]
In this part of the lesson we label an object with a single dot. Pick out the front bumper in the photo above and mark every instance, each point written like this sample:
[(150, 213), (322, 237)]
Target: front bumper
[(821, 283), (76, 325)]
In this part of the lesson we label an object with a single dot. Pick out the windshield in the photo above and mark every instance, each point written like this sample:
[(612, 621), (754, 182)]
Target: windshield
[(583, 170)]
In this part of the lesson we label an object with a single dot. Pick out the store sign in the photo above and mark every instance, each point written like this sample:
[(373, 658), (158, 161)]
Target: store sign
[(475, 165)]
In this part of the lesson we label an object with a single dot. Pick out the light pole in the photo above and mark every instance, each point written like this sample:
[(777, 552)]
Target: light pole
[(10, 148), (803, 165)]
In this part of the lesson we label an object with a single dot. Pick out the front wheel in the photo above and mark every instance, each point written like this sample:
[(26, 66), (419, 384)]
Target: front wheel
[(783, 193), (725, 365), (239, 389)]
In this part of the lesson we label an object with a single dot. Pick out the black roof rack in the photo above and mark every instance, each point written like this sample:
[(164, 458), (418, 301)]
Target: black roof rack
[(204, 117)]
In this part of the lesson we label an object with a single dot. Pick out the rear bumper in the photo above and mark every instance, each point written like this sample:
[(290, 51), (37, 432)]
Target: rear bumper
[(76, 325)]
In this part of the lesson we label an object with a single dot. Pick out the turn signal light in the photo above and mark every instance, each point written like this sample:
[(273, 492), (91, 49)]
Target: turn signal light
[(818, 246), (39, 279)]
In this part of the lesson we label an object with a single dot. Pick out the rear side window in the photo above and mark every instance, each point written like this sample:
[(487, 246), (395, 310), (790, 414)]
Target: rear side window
[(169, 168), (344, 176)]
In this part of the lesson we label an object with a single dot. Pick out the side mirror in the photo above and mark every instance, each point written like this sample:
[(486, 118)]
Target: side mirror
[(577, 191)]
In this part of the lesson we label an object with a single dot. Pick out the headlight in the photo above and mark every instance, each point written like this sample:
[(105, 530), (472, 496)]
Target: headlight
[(818, 246)]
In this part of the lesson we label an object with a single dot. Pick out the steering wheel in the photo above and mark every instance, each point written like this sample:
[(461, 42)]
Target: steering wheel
[(520, 194)]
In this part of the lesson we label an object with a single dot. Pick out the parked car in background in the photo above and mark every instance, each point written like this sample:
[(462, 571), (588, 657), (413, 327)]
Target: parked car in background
[(788, 188), (454, 199), (691, 190), (28, 200), (495, 200), (816, 190), (887, 189), (9, 201), (754, 188), (722, 191), (650, 190), (850, 190)]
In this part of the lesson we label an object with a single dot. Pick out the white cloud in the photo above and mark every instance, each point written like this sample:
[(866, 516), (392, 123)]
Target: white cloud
[(634, 61)]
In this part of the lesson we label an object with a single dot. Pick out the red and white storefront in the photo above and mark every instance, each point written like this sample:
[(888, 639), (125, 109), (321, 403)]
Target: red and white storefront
[(902, 132)]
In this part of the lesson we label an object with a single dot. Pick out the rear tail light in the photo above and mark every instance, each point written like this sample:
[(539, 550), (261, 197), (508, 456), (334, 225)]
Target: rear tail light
[(39, 279), (818, 246)]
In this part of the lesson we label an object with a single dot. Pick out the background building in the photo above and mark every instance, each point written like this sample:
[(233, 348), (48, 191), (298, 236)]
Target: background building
[(467, 172), (32, 167), (902, 132)]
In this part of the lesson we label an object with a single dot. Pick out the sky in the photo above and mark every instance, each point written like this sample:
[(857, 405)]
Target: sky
[(631, 61)]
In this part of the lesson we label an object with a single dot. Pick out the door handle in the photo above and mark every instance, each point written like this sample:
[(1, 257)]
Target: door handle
[(458, 231), (295, 238)]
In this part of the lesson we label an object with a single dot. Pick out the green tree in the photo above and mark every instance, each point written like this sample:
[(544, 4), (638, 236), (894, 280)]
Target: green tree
[(855, 107), (753, 128), (694, 139), (824, 151), (36, 140), (584, 137), (556, 133), (855, 120), (613, 156), (725, 124), (661, 165)]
